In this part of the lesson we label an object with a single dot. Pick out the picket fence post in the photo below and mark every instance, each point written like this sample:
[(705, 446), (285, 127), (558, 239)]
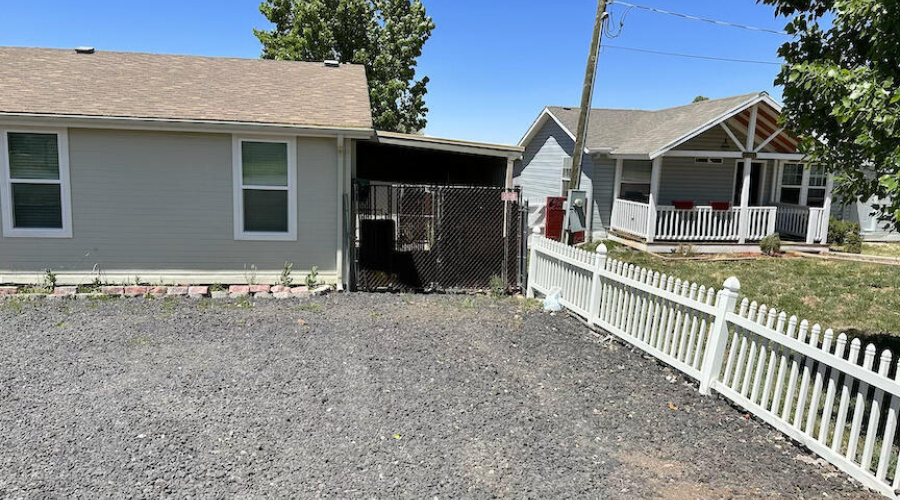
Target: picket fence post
[(532, 262), (718, 335), (597, 283)]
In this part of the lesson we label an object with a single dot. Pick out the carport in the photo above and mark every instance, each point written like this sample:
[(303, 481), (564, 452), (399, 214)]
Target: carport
[(431, 213)]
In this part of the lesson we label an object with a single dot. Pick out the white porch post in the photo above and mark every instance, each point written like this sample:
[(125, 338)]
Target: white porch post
[(655, 172), (822, 230), (617, 183), (744, 217)]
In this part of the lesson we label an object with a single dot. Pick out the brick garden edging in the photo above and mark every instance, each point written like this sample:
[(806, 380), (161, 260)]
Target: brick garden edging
[(194, 292)]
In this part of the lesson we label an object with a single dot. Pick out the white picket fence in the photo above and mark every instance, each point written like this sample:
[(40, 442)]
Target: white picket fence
[(811, 386)]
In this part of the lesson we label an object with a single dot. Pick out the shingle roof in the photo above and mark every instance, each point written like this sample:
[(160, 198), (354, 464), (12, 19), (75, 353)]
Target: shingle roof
[(640, 132), (171, 87)]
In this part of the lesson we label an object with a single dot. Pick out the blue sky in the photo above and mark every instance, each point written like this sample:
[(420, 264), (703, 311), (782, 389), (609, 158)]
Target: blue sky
[(493, 64)]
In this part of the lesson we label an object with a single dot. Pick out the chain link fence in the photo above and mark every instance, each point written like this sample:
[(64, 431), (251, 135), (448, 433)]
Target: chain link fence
[(414, 237)]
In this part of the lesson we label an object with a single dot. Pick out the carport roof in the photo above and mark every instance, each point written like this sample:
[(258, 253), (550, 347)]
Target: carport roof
[(451, 145)]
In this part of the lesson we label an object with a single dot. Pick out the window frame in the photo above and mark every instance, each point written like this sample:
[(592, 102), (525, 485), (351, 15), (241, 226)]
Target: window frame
[(239, 187), (6, 182), (805, 186)]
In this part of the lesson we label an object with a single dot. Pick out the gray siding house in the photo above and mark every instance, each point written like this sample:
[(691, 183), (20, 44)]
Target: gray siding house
[(174, 169), (720, 174)]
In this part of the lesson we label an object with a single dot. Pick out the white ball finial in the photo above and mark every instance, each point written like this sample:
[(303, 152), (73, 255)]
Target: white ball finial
[(601, 249), (536, 230)]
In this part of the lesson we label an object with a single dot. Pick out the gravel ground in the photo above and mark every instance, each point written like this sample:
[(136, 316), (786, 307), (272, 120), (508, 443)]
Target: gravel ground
[(358, 395)]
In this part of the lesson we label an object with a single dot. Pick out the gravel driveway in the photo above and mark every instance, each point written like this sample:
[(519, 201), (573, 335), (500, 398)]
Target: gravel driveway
[(358, 395)]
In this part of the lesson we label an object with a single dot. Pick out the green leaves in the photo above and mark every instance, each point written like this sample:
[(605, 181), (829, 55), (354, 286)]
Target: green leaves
[(386, 36), (840, 93)]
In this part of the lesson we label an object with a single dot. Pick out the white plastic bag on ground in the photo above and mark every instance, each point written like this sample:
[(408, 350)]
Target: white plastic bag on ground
[(551, 301)]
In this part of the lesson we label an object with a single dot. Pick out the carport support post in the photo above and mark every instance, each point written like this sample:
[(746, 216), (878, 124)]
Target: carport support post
[(718, 335), (597, 283), (532, 261)]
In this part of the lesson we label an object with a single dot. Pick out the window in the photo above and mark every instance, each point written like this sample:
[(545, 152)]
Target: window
[(791, 183), (265, 196), (815, 196), (34, 170), (635, 184), (717, 161), (566, 176)]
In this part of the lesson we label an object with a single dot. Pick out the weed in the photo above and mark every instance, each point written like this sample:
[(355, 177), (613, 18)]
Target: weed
[(14, 305), (60, 324), (250, 275), (311, 307), (285, 278), (313, 278), (530, 304), (49, 279), (92, 287), (375, 314), (142, 340), (217, 287), (243, 302), (497, 286)]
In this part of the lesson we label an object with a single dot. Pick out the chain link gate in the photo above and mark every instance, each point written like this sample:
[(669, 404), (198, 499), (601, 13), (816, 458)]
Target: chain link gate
[(415, 237)]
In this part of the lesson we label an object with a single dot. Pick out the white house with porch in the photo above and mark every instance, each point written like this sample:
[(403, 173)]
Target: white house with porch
[(718, 174)]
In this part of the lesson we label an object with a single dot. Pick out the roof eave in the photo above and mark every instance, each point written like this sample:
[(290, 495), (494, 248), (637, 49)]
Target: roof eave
[(450, 145), (178, 124)]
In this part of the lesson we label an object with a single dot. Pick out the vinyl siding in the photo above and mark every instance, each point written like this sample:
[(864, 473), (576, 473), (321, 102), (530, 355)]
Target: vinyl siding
[(683, 179), (148, 201), (540, 172), (604, 178)]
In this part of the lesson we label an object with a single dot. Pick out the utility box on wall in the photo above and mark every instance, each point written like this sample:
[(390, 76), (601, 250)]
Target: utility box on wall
[(556, 217)]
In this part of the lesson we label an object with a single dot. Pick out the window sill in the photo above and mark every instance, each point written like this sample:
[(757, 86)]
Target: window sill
[(37, 233), (244, 236)]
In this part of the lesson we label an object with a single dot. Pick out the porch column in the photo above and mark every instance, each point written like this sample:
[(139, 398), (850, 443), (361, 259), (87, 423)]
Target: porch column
[(822, 235), (744, 216), (617, 183), (655, 172)]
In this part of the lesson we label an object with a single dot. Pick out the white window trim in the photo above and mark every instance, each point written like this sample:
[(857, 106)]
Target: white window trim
[(804, 185), (9, 231), (238, 182)]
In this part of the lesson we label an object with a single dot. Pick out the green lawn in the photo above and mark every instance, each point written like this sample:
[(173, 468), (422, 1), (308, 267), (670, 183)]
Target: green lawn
[(849, 297)]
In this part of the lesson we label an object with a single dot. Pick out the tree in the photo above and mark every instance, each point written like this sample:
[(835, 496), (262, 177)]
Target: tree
[(386, 36), (841, 93), (700, 98)]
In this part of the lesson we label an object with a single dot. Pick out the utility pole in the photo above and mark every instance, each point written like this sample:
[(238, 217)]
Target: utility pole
[(587, 97)]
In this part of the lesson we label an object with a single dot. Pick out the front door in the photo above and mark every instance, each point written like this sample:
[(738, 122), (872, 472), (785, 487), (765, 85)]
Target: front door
[(755, 179)]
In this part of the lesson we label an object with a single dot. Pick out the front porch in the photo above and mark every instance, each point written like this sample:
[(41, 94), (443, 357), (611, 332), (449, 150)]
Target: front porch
[(705, 224), (723, 189)]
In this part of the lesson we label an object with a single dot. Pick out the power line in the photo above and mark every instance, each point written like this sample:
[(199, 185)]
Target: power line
[(692, 56), (695, 18)]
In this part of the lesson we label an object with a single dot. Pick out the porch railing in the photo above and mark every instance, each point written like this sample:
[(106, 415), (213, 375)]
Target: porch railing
[(630, 217), (803, 222), (703, 223)]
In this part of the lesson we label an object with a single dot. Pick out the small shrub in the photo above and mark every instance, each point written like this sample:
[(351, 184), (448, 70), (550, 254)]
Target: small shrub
[(838, 230), (312, 279), (770, 245), (685, 250), (285, 278), (497, 286), (853, 242)]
